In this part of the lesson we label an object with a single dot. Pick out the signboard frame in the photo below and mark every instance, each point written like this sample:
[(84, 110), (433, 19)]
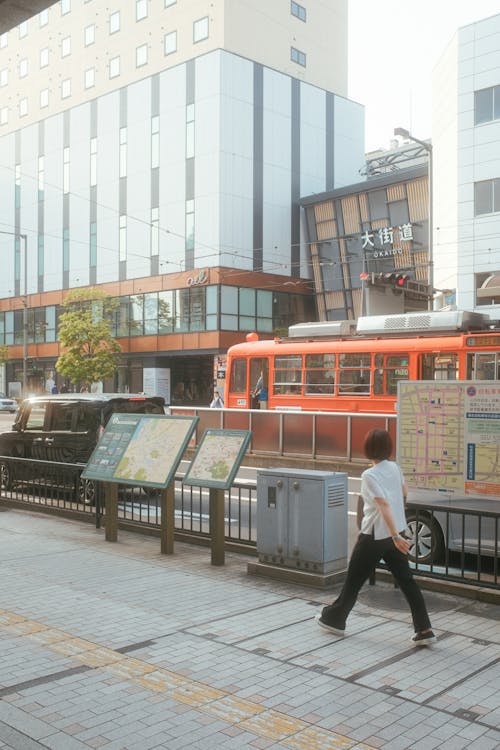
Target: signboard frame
[(113, 446), (204, 450)]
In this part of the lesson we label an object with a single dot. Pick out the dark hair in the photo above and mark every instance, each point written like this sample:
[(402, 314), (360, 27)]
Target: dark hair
[(378, 445)]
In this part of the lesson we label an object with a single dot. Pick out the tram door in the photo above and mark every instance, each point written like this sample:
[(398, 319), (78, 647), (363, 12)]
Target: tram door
[(259, 382)]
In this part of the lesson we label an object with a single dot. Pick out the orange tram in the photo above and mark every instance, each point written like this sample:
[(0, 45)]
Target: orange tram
[(343, 366)]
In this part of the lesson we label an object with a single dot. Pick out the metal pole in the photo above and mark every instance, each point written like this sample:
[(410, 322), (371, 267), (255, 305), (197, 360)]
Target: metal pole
[(24, 239), (431, 238)]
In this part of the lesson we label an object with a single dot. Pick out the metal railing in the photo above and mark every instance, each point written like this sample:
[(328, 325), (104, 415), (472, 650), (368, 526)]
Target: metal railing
[(449, 544), (334, 436)]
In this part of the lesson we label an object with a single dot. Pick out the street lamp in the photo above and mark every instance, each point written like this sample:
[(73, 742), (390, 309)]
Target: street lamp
[(428, 148), (24, 240)]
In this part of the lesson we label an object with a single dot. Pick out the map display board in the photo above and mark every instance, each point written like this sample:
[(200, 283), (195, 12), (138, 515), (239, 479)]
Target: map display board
[(218, 458), (140, 449), (449, 436)]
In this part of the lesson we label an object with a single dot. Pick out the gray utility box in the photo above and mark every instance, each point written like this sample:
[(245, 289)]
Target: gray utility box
[(302, 519)]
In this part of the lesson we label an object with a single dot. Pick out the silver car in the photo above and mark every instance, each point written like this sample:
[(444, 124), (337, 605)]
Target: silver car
[(7, 404)]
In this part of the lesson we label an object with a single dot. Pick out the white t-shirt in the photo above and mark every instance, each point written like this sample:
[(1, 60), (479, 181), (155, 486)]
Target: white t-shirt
[(382, 480)]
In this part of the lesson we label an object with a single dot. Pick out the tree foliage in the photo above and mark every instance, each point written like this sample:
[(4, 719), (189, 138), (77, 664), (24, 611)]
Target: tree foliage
[(89, 351), (4, 354)]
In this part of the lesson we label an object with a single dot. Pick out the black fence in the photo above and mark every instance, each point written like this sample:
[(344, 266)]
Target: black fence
[(447, 543)]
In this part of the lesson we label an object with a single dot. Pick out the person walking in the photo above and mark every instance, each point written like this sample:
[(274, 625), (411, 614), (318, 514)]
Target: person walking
[(217, 401), (384, 494)]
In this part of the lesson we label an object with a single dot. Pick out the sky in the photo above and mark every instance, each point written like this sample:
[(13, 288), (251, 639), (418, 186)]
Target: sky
[(393, 47)]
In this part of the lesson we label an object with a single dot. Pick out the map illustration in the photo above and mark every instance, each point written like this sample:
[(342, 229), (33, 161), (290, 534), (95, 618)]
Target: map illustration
[(449, 436), (153, 446), (218, 458)]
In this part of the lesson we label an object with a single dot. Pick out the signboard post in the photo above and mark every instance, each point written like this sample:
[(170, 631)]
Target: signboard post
[(215, 464), (111, 499)]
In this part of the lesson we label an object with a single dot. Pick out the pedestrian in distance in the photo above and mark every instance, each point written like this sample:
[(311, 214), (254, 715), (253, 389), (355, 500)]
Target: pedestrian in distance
[(217, 401), (382, 526)]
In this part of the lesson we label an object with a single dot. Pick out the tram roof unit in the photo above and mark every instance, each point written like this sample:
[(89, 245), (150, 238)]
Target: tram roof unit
[(446, 322)]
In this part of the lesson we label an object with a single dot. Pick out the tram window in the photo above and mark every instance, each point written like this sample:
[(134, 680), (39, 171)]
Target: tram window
[(439, 366), (238, 381), (320, 374), (354, 375), (486, 366), (287, 375), (389, 370)]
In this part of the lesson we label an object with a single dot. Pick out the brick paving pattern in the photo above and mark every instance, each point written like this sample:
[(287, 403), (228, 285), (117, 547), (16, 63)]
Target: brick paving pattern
[(116, 646)]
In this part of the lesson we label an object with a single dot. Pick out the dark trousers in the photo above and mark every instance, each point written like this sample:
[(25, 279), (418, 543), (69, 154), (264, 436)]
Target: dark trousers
[(365, 556)]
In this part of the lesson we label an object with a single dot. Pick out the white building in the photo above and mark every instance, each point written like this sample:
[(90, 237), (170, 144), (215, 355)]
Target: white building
[(153, 138), (466, 143)]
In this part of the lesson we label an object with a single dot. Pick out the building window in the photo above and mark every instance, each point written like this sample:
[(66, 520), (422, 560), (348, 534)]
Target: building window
[(114, 22), (23, 67), (65, 7), (43, 17), (155, 231), (23, 107), (200, 29), (4, 39), (66, 249), (66, 170), (297, 56), (44, 57), (4, 115), (141, 9), (170, 42), (41, 177), (141, 55), (4, 77), (114, 67), (23, 29), (66, 46), (89, 35), (65, 88), (486, 197), (44, 98), (93, 161), (123, 152), (155, 142), (190, 225), (488, 293), (298, 11), (487, 105), (90, 78), (93, 244), (123, 238)]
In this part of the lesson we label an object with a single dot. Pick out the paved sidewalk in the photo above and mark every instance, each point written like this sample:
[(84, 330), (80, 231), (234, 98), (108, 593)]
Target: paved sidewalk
[(115, 646)]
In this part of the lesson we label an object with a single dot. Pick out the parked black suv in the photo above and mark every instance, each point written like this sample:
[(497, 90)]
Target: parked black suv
[(64, 428)]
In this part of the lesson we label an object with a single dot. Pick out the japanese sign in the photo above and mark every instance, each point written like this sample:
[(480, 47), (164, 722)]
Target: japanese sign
[(381, 242)]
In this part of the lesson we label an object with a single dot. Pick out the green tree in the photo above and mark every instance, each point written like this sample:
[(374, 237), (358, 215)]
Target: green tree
[(4, 354), (89, 351)]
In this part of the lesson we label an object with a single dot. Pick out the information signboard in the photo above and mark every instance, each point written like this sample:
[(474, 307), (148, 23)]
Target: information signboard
[(449, 436), (142, 449), (218, 458)]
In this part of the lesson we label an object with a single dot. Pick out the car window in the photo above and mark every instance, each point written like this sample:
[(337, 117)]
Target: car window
[(87, 418), (36, 417), (62, 416)]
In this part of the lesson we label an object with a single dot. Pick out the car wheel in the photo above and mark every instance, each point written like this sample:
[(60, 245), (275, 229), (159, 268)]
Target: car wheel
[(425, 537), (86, 491), (5, 477)]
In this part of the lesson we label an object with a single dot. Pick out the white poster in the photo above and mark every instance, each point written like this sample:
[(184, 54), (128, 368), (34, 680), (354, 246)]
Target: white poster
[(156, 382)]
